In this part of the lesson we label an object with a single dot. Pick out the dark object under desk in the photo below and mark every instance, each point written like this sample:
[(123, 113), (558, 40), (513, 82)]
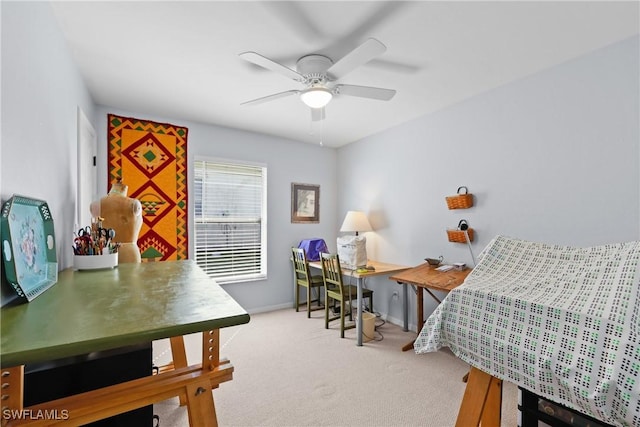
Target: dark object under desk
[(536, 411), (51, 380)]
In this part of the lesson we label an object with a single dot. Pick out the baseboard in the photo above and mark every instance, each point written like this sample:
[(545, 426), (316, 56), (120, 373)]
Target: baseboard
[(397, 322), (384, 316), (265, 309)]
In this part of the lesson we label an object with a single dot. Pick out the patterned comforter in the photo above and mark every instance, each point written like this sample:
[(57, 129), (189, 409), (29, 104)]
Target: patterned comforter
[(562, 322)]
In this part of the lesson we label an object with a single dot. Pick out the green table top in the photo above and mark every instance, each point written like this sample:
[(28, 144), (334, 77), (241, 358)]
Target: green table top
[(87, 311)]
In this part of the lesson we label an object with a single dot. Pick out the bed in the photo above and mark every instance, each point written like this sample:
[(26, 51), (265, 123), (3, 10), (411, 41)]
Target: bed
[(562, 322)]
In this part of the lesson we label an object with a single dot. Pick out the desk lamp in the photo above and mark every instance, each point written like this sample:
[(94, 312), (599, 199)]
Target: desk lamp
[(355, 221), (352, 250)]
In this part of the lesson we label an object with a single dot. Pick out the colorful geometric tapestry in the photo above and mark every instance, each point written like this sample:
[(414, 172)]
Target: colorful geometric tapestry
[(151, 158)]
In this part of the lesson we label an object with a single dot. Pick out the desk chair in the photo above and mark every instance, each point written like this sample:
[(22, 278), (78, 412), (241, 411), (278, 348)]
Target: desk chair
[(335, 290), (303, 277)]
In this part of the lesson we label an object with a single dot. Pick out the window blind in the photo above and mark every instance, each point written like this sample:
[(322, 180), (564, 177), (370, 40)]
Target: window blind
[(230, 220)]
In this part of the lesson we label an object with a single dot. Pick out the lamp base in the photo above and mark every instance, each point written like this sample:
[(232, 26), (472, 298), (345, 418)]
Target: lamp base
[(352, 251)]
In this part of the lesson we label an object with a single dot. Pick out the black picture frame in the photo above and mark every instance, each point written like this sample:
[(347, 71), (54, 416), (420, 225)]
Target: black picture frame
[(305, 203)]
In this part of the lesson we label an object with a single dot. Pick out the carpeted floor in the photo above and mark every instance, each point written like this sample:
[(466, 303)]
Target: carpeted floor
[(291, 371)]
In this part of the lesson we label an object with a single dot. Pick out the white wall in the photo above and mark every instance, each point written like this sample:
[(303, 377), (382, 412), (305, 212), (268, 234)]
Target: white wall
[(41, 90), (287, 161), (554, 157)]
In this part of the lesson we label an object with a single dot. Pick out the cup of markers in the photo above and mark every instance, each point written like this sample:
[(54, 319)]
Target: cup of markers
[(94, 248)]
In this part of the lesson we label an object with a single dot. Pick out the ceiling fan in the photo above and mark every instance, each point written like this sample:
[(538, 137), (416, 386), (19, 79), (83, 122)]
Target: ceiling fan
[(319, 75)]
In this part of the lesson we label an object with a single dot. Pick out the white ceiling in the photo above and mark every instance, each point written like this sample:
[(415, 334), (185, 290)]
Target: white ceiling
[(180, 59)]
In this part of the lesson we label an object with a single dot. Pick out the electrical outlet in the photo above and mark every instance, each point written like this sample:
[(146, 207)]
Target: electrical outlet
[(395, 295)]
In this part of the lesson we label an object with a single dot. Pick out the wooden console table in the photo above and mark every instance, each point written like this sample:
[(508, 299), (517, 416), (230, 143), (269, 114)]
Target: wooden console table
[(88, 311), (428, 278)]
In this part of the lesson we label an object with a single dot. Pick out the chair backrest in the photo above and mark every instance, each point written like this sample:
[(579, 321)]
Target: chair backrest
[(331, 271), (300, 265)]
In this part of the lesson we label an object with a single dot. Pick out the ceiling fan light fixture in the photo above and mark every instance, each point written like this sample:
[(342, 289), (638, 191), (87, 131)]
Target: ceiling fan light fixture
[(316, 97)]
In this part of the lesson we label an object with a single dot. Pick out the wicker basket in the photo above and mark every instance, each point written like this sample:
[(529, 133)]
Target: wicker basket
[(457, 236), (460, 201)]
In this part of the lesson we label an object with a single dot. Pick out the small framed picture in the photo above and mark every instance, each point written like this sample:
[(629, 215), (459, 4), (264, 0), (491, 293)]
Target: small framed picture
[(305, 203)]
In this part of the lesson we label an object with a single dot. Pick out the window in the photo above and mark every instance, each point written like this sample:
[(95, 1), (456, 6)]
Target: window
[(230, 219)]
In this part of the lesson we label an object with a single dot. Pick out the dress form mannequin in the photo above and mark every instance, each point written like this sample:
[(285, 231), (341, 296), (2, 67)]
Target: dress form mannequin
[(124, 215)]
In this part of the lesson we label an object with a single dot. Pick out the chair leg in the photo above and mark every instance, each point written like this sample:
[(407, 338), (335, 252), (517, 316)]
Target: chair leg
[(308, 302), (350, 305), (297, 296), (326, 311), (342, 308)]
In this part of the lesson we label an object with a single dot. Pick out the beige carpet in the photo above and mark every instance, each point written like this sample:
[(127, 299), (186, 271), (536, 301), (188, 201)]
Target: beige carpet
[(291, 371)]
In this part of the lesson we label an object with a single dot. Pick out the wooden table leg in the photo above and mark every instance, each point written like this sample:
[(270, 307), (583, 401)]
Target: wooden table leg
[(12, 392), (210, 349), (420, 310), (482, 401), (200, 405), (202, 412), (179, 358), (408, 346), (419, 316), (492, 412)]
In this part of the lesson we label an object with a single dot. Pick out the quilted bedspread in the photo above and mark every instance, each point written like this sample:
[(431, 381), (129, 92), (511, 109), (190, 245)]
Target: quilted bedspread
[(560, 321)]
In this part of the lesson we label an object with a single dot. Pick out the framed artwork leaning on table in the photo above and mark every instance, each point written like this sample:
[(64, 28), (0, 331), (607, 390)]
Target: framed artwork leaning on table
[(305, 203), (28, 246)]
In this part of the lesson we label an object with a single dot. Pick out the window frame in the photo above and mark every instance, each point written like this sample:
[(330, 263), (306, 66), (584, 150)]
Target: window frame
[(196, 167)]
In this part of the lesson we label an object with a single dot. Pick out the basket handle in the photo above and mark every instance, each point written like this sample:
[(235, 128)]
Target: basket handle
[(466, 191), (462, 225)]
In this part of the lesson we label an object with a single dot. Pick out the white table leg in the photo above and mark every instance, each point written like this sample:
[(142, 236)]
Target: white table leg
[(359, 304)]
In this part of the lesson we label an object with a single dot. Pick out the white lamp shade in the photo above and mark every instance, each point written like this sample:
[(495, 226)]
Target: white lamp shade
[(316, 97), (355, 221)]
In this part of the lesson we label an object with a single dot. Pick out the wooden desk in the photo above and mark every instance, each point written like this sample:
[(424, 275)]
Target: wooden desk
[(381, 269), (87, 311), (425, 277)]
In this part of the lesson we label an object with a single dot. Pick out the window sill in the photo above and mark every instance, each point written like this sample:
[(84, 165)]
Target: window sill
[(232, 281)]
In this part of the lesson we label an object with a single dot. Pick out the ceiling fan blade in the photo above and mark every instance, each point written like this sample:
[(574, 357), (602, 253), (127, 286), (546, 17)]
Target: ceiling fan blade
[(358, 56), (269, 64), (270, 97), (317, 114), (366, 92)]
